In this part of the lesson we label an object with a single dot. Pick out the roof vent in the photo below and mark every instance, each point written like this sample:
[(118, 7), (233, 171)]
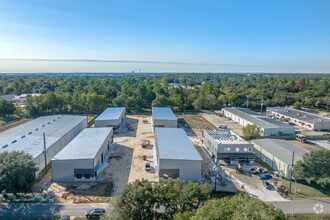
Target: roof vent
[(23, 136), (37, 129), (58, 117), (14, 141), (5, 146), (43, 125), (48, 122), (54, 119), (30, 132)]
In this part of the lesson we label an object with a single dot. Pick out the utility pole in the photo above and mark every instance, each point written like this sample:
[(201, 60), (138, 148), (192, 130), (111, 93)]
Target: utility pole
[(45, 151), (291, 171)]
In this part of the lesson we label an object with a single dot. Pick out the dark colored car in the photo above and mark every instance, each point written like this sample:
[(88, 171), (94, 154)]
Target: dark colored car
[(267, 185), (94, 213), (65, 217), (265, 177)]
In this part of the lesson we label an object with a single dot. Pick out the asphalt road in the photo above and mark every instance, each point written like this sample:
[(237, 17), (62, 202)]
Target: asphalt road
[(20, 210), (304, 206)]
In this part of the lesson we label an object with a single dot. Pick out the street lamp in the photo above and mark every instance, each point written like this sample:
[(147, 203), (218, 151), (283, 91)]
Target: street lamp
[(294, 195)]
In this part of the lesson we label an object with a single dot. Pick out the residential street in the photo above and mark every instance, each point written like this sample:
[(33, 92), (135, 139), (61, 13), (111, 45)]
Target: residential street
[(304, 206), (58, 209), (21, 210)]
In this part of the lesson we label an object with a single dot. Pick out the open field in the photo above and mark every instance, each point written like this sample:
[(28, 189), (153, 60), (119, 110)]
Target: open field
[(305, 191), (196, 121)]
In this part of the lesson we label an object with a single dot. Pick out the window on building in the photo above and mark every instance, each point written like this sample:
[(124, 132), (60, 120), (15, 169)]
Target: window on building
[(246, 149), (78, 176), (237, 149), (227, 149), (87, 176)]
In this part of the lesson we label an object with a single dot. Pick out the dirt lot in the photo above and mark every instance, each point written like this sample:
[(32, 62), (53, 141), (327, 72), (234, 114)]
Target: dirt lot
[(307, 146), (124, 165)]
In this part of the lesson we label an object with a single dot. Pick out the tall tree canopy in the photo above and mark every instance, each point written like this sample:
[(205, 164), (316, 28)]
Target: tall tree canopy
[(237, 208), (17, 170), (315, 167)]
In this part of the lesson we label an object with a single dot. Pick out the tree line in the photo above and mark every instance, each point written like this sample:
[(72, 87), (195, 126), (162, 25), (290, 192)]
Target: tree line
[(91, 94)]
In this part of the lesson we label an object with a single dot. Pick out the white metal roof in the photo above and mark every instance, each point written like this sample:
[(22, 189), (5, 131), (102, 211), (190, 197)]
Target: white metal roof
[(255, 118), (173, 143), (160, 113), (305, 116), (29, 136), (85, 145), (111, 113), (281, 149), (225, 136)]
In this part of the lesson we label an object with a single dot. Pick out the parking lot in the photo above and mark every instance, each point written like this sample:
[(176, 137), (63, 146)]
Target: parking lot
[(217, 120)]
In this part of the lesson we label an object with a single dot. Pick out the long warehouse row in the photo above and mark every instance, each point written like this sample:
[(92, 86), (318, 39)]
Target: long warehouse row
[(77, 153)]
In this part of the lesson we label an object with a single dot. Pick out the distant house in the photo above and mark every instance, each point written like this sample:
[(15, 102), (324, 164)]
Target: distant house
[(20, 99), (8, 97)]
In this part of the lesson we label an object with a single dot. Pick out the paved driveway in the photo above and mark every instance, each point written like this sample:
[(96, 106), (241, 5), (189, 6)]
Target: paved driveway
[(216, 121)]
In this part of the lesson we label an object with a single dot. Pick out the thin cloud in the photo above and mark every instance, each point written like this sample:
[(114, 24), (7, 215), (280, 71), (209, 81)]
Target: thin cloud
[(116, 61)]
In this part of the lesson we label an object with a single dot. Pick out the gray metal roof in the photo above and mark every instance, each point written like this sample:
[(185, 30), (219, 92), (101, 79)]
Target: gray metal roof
[(111, 114), (255, 118), (160, 113), (281, 149), (300, 115), (225, 136), (29, 136), (173, 143), (85, 145)]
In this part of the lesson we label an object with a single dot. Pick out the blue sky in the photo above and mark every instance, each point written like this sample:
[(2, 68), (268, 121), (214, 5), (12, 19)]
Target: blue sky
[(167, 36)]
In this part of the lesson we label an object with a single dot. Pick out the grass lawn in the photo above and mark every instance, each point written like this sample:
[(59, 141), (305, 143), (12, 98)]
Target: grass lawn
[(91, 117), (305, 191), (196, 121)]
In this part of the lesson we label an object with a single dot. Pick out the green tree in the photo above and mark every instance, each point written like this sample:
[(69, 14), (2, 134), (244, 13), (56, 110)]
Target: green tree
[(135, 201), (251, 132), (236, 208), (6, 108), (297, 105), (315, 167), (141, 200), (17, 170), (177, 196)]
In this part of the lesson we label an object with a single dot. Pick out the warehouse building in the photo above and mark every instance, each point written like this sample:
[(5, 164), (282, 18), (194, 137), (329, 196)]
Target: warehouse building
[(278, 154), (83, 157), (223, 144), (176, 155), (268, 126), (303, 119), (59, 131), (163, 117), (111, 117)]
